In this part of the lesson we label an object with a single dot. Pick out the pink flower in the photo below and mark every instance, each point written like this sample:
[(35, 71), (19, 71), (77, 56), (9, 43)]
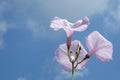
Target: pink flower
[(96, 44), (62, 56), (100, 46), (58, 23)]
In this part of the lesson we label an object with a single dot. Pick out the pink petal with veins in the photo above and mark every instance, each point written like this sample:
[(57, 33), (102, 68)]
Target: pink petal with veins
[(81, 25), (62, 55), (100, 46), (58, 23)]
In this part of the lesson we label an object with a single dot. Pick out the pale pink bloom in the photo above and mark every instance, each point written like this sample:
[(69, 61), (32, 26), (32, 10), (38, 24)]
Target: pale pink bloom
[(100, 46), (58, 23), (62, 55)]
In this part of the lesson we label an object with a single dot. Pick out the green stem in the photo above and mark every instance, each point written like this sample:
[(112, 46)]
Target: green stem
[(73, 70), (69, 56)]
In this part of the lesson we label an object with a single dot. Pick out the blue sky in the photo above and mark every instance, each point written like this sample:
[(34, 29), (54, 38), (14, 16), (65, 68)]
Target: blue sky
[(28, 44)]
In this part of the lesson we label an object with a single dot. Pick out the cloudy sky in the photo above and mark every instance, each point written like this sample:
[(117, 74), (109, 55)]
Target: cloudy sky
[(28, 44)]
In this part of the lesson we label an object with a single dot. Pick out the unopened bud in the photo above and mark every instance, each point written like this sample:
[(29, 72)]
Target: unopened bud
[(72, 58), (78, 49)]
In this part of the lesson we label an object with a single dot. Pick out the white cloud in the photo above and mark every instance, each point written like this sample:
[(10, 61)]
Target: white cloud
[(3, 26), (82, 73), (3, 29), (21, 78), (63, 75), (41, 31), (112, 21), (3, 23), (57, 72), (69, 9), (36, 28), (73, 9), (116, 14), (30, 12), (3, 6)]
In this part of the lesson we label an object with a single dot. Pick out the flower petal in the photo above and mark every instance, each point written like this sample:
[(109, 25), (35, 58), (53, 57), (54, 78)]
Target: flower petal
[(58, 23), (80, 25), (62, 55), (82, 55), (100, 46), (82, 65)]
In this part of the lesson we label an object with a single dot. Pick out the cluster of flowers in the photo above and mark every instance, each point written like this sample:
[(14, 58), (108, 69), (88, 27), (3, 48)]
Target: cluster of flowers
[(72, 55)]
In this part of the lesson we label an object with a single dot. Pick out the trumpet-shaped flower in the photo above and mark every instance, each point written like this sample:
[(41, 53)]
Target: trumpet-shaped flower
[(100, 46), (62, 56), (58, 23)]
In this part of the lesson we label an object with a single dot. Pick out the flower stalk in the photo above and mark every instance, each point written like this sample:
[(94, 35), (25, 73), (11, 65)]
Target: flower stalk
[(73, 70), (73, 60)]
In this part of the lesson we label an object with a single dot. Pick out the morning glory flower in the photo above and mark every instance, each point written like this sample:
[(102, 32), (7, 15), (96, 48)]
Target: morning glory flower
[(58, 23), (61, 56), (99, 45)]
